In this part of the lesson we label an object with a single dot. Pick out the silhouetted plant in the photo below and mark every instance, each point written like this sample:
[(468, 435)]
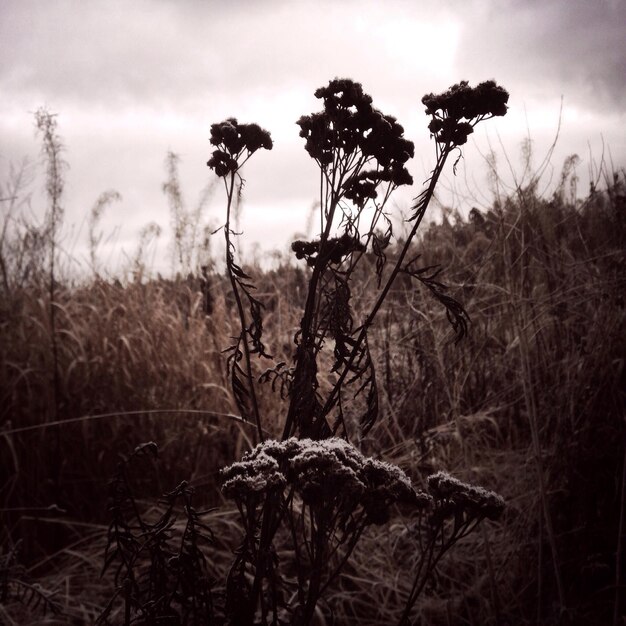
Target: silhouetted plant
[(313, 491), (319, 487), (160, 568), (236, 143)]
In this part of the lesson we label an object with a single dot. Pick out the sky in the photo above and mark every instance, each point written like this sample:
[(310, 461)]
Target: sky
[(131, 80)]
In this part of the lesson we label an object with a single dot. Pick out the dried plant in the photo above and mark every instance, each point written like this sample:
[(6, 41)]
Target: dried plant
[(530, 403), (161, 569), (186, 223), (95, 215), (320, 487)]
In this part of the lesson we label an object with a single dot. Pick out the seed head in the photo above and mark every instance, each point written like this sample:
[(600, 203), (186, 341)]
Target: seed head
[(474, 500), (349, 124), (234, 140), (456, 111), (330, 474)]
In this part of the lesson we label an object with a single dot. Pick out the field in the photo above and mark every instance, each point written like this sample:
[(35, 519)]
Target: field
[(523, 395)]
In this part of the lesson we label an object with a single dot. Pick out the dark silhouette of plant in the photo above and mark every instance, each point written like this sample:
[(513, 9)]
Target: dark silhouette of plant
[(235, 144), (160, 567), (317, 486), (326, 494)]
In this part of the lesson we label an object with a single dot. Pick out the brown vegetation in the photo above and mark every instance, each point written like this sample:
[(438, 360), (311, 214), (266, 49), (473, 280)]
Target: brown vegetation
[(530, 403)]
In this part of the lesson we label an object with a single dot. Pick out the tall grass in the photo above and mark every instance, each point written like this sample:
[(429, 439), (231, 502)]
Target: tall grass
[(530, 402)]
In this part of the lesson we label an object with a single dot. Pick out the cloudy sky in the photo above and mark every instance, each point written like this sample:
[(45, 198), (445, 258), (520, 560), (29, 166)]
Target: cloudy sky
[(131, 80)]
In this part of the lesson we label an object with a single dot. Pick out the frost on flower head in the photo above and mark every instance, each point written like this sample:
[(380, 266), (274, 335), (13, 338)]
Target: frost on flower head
[(389, 484), (473, 499), (328, 470), (330, 473), (252, 475)]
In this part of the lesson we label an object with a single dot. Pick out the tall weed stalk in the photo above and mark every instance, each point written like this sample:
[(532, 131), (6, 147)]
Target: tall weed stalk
[(361, 154), (55, 165)]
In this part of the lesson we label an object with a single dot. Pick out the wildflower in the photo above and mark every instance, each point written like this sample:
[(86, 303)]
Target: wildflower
[(360, 190), (328, 471), (329, 475), (334, 250), (255, 137), (388, 484), (234, 140), (474, 500), (252, 475), (349, 125), (462, 102), (306, 250), (222, 163)]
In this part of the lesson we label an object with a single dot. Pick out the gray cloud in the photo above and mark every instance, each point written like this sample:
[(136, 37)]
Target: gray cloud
[(161, 51), (100, 52), (132, 80), (574, 47), (116, 52)]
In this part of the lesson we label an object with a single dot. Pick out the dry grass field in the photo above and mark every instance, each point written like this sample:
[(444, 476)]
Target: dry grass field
[(529, 404)]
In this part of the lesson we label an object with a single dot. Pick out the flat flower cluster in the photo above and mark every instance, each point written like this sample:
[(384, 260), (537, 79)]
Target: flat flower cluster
[(350, 126), (458, 496), (456, 111), (333, 251), (328, 474), (233, 140)]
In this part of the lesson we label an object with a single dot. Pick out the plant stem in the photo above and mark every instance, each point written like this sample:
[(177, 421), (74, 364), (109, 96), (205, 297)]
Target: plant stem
[(307, 338), (420, 207), (242, 318)]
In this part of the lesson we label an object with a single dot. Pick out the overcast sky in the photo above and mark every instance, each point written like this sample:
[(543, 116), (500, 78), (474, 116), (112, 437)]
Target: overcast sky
[(131, 80)]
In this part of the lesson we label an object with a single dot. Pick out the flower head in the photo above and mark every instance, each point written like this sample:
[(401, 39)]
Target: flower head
[(388, 484), (472, 499), (233, 140), (348, 125), (456, 111), (329, 475), (252, 475), (222, 163)]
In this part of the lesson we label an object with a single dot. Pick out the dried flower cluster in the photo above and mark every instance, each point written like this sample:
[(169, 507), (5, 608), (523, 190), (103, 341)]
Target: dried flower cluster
[(475, 501), (329, 473), (332, 251), (350, 127), (456, 111), (232, 140)]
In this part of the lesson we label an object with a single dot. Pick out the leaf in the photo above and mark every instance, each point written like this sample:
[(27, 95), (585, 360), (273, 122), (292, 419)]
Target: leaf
[(238, 271), (455, 312)]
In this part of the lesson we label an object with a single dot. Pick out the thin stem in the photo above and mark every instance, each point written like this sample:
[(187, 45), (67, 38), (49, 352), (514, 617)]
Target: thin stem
[(242, 319), (306, 325), (344, 559), (415, 589), (420, 212), (495, 598)]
